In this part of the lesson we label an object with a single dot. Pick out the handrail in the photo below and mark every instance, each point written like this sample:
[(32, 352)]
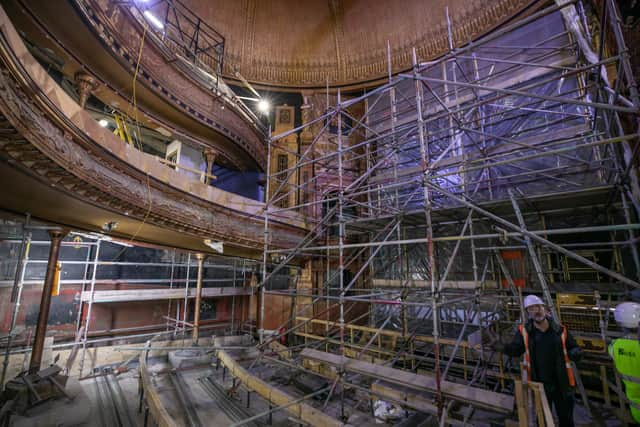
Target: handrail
[(181, 29), (193, 52)]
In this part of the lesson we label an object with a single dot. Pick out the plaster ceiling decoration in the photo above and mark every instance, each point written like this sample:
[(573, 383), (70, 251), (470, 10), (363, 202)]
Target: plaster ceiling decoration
[(298, 44)]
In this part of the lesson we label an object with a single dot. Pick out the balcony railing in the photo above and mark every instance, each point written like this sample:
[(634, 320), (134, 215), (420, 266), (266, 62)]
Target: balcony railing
[(187, 36), (183, 32)]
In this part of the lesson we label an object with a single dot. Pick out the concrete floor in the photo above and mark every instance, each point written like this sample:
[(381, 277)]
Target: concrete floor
[(60, 412), (92, 405), (209, 412), (102, 406)]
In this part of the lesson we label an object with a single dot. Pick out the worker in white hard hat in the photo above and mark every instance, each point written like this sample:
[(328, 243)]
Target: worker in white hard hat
[(548, 350), (625, 352)]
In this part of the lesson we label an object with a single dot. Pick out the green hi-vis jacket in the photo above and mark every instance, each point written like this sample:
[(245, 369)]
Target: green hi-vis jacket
[(626, 357)]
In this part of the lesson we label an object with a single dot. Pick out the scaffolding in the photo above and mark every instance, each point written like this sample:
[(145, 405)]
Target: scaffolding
[(96, 269), (418, 191)]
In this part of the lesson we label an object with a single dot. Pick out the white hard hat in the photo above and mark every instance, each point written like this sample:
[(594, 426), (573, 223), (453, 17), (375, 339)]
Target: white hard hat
[(530, 300), (627, 314)]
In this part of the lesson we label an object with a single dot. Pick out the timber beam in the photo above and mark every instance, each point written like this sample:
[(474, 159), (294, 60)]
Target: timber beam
[(277, 397), (476, 396)]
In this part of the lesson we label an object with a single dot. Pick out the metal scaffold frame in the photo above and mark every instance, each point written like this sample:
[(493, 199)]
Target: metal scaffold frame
[(449, 164), (95, 270)]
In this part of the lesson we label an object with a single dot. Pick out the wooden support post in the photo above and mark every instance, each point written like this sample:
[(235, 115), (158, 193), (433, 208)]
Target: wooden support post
[(538, 406), (605, 385), (543, 410), (521, 402)]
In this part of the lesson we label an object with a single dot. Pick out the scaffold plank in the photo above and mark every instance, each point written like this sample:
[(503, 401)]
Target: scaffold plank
[(446, 284), (476, 396), (160, 294)]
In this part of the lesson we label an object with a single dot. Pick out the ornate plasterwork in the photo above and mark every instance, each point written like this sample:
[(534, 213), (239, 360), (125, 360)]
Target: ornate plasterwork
[(39, 140), (341, 58)]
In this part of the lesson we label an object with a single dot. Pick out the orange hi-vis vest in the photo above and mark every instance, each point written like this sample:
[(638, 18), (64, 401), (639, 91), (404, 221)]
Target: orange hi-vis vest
[(527, 356)]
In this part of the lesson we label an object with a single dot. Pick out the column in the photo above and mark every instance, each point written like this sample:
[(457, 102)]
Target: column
[(210, 157), (196, 312), (45, 301)]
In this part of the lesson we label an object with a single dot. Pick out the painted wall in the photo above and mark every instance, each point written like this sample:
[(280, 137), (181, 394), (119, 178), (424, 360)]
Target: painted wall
[(243, 183), (277, 309), (105, 317)]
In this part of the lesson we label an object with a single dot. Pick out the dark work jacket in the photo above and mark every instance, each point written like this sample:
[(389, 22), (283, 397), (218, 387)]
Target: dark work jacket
[(516, 349)]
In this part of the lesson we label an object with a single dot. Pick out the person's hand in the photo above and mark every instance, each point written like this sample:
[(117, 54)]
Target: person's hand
[(575, 354), (493, 340)]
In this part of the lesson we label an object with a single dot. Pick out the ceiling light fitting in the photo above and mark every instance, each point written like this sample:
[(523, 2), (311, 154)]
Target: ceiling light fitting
[(152, 18), (216, 246)]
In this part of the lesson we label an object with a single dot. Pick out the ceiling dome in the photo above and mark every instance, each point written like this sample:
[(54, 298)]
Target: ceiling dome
[(297, 44)]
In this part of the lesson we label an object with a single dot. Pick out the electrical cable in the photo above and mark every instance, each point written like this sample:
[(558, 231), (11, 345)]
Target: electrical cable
[(137, 124)]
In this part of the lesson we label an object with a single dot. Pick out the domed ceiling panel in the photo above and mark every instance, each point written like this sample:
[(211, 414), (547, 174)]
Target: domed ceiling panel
[(291, 43)]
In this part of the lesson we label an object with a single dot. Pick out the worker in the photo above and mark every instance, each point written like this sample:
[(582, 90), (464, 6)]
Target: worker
[(625, 352), (548, 348)]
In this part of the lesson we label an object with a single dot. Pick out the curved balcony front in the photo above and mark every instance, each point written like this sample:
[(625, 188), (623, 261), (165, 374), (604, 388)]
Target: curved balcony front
[(59, 164), (105, 39)]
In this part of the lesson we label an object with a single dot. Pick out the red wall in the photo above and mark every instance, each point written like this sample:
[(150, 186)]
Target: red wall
[(105, 317)]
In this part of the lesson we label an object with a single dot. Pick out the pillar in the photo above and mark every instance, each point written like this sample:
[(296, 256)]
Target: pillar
[(210, 158), (196, 311), (306, 172), (45, 301)]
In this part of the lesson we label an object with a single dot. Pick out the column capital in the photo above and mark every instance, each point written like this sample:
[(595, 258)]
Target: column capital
[(58, 234), (210, 154), (86, 85)]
